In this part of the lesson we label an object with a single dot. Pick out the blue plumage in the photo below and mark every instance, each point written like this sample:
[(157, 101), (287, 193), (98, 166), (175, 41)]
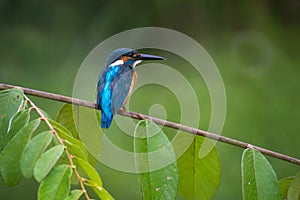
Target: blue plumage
[(116, 81), (105, 86)]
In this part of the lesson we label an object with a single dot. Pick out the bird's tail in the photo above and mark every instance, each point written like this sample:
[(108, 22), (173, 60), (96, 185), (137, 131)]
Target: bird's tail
[(106, 119)]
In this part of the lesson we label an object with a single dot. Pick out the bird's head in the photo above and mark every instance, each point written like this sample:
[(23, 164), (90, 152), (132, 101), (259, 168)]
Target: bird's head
[(129, 57)]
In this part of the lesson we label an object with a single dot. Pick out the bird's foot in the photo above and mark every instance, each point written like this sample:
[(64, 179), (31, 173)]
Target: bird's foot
[(123, 109)]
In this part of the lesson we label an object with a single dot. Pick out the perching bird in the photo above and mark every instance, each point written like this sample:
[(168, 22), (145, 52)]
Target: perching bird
[(117, 80)]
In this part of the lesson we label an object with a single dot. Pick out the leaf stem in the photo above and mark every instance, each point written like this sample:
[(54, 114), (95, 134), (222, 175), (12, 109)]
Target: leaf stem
[(166, 123), (61, 141)]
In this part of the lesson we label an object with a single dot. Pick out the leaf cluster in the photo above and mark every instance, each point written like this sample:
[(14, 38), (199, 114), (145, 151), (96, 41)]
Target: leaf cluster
[(54, 156), (59, 161)]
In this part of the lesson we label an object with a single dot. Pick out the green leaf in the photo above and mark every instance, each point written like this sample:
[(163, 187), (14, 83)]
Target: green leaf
[(65, 133), (47, 161), (259, 180), (199, 178), (75, 146), (45, 114), (63, 129), (78, 151), (294, 189), (10, 156), (89, 171), (33, 151), (102, 193), (89, 131), (74, 195), (71, 142), (284, 185), (10, 101), (99, 190), (17, 122), (156, 160), (65, 118), (56, 185)]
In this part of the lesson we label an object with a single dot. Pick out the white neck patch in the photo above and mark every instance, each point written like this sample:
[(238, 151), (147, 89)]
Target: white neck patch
[(116, 63), (136, 62)]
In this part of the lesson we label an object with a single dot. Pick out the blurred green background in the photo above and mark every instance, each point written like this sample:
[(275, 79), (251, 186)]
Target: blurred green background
[(255, 45)]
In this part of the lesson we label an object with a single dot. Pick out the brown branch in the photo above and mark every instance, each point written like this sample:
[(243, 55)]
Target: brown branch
[(173, 125)]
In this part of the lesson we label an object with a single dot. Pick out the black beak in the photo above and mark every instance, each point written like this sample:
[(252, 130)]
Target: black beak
[(149, 57)]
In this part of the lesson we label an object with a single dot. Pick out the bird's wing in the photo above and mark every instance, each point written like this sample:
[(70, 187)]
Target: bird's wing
[(100, 86), (122, 87)]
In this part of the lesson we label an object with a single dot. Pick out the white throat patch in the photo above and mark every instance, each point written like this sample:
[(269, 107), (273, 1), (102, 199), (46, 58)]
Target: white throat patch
[(136, 62)]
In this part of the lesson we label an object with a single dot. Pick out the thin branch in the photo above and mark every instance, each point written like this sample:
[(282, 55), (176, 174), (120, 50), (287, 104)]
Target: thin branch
[(69, 156), (166, 123)]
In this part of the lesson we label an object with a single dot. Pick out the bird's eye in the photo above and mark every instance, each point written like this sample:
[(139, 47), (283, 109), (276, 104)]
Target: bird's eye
[(130, 54)]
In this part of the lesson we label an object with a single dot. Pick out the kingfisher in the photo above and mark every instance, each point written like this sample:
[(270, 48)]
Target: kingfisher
[(117, 80)]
